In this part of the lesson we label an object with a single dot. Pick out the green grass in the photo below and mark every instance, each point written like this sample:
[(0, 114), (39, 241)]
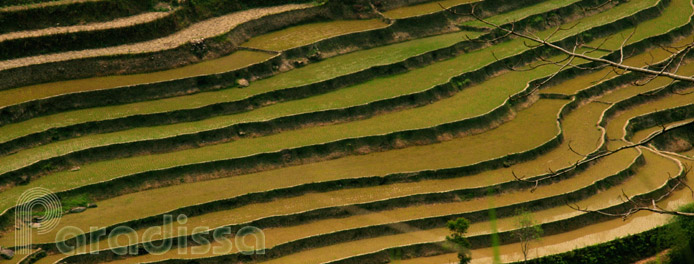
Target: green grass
[(109, 169), (579, 132), (615, 14), (475, 100), (311, 73), (615, 127), (413, 81), (643, 134), (677, 14), (301, 35), (518, 14), (360, 195), (423, 9), (231, 62), (280, 235), (446, 154), (535, 124)]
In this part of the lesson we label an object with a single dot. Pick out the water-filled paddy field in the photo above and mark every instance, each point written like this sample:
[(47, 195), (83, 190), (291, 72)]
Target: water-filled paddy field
[(353, 133)]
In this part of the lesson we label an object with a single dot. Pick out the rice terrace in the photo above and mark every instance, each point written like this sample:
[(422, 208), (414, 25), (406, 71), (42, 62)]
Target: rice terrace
[(346, 131)]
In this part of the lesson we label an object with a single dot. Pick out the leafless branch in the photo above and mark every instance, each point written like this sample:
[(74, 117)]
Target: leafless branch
[(616, 65), (651, 205), (581, 51)]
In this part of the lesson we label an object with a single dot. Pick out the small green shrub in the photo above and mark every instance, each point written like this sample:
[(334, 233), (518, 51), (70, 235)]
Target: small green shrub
[(75, 201), (320, 2), (458, 228), (538, 20), (681, 232)]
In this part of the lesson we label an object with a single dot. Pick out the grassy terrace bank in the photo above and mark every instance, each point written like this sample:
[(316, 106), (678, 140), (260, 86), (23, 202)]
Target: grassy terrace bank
[(316, 72), (67, 13), (59, 150), (310, 33), (570, 129), (314, 199), (315, 32), (107, 125), (548, 156), (574, 125), (349, 249), (424, 9), (582, 237), (355, 186), (15, 96), (327, 47)]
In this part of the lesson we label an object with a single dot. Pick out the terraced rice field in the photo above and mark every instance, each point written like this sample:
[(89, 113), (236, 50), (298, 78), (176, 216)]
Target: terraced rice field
[(359, 134)]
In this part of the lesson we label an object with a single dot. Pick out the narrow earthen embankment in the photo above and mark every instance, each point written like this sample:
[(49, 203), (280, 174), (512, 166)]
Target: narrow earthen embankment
[(67, 13), (81, 157), (679, 139), (142, 27), (553, 227), (482, 241), (62, 133), (389, 204), (658, 118), (400, 30), (202, 40), (395, 202), (499, 163)]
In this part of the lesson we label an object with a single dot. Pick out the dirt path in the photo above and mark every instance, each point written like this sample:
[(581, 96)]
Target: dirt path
[(204, 29), (42, 5), (117, 23)]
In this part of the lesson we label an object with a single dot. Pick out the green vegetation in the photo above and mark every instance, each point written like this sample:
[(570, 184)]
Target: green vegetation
[(419, 157), (434, 73), (231, 62), (518, 14), (423, 9), (75, 201), (309, 33), (327, 69), (676, 237), (458, 230), (527, 231), (617, 125), (680, 236)]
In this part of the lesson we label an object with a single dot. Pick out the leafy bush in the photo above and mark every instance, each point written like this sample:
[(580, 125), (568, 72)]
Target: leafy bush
[(458, 229), (75, 201), (677, 236), (681, 232)]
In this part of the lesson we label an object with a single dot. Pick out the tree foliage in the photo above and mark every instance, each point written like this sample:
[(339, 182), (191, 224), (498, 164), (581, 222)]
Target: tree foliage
[(458, 229), (527, 231)]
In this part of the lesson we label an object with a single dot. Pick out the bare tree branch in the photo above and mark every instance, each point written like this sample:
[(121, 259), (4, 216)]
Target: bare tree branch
[(581, 51), (571, 53), (650, 205)]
